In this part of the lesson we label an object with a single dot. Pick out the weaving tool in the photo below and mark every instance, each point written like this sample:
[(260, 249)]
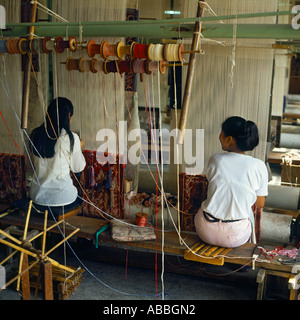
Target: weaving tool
[(48, 45), (202, 252), (61, 44), (26, 249)]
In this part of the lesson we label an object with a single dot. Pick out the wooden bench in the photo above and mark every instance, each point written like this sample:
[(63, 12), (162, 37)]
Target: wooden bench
[(243, 255)]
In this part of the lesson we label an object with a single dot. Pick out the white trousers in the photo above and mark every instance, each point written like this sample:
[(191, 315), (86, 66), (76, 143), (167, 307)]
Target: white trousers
[(223, 234)]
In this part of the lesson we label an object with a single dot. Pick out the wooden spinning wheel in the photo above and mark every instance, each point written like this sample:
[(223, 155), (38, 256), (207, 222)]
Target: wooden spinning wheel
[(40, 258)]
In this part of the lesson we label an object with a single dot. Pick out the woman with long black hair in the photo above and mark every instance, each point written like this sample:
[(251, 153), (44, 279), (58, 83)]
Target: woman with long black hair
[(56, 152)]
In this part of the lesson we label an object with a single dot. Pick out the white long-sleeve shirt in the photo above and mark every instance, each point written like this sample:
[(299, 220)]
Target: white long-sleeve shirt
[(55, 186)]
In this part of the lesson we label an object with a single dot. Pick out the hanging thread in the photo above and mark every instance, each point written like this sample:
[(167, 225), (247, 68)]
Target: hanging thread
[(141, 219)]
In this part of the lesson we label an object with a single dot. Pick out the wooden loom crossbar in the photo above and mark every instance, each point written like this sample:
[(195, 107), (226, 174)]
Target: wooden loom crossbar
[(27, 68), (190, 73)]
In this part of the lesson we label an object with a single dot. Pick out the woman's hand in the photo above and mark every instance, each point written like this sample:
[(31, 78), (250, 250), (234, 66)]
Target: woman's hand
[(81, 143)]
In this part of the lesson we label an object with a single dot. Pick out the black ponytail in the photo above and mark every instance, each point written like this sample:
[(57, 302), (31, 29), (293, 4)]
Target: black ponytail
[(244, 132), (57, 118)]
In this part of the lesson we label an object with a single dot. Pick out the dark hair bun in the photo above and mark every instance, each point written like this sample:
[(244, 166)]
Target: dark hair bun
[(244, 132)]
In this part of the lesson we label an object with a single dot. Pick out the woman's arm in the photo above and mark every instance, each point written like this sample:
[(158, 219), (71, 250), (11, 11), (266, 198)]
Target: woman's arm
[(260, 202)]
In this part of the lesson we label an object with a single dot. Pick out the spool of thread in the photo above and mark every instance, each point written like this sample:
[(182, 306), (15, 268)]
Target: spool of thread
[(156, 52), (123, 50), (141, 219), (109, 50), (87, 65), (140, 51), (173, 52), (61, 44), (138, 66), (151, 66), (82, 65), (24, 46), (36, 46), (48, 45), (93, 48), (3, 46), (72, 64), (110, 66), (12, 46), (96, 65), (124, 66)]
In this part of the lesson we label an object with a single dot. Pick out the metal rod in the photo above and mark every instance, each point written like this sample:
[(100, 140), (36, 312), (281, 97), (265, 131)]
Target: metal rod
[(163, 31), (190, 74)]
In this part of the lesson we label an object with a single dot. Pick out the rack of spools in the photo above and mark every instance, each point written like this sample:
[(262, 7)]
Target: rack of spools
[(127, 58)]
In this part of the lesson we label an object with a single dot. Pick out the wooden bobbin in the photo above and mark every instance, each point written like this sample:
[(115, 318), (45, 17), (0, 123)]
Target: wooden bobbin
[(162, 66), (48, 45), (24, 46), (155, 66), (149, 52), (125, 49), (110, 50), (72, 64), (125, 66), (87, 65), (109, 66), (93, 48), (3, 48), (179, 52), (61, 44), (140, 51), (12, 46), (96, 65)]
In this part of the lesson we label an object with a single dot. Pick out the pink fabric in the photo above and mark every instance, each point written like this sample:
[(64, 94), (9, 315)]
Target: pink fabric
[(229, 235)]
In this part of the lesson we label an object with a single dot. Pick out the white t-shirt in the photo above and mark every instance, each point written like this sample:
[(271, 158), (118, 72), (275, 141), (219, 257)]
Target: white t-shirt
[(234, 182), (55, 187)]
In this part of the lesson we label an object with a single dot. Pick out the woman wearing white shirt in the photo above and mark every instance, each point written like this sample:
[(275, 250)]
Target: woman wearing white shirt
[(236, 181), (57, 152)]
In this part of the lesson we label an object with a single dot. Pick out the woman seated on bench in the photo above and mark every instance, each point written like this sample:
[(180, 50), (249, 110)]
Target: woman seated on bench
[(56, 151), (236, 181)]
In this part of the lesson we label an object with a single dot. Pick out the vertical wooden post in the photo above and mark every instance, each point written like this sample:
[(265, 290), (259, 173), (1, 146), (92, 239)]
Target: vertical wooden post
[(47, 283), (25, 282), (27, 68), (190, 73)]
